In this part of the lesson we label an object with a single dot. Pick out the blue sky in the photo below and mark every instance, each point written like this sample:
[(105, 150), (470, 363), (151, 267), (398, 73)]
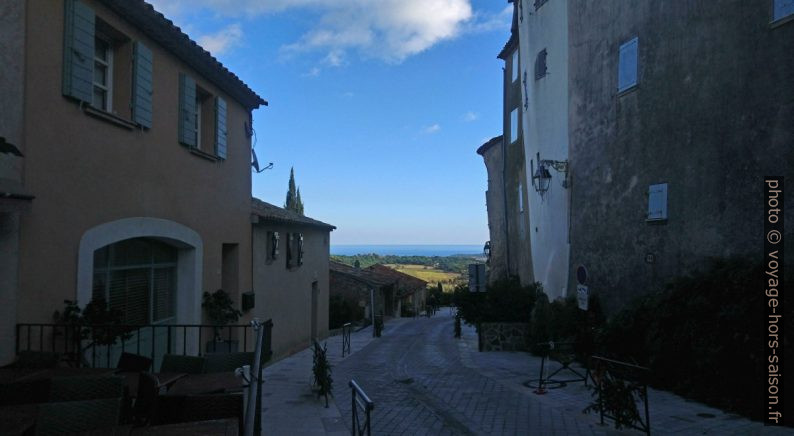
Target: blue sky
[(378, 105)]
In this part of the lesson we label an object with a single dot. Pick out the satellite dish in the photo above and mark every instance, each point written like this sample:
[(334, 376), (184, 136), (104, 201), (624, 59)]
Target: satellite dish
[(581, 274)]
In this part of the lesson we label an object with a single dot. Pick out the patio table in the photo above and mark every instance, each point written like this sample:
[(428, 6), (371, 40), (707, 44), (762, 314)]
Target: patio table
[(164, 379), (198, 384)]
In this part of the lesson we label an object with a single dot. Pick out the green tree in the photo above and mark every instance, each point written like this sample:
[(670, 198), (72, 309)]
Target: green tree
[(293, 201)]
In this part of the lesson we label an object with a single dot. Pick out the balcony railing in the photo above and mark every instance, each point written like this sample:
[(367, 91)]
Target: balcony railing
[(99, 346)]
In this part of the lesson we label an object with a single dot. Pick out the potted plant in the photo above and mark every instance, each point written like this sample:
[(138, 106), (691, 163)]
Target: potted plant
[(221, 312)]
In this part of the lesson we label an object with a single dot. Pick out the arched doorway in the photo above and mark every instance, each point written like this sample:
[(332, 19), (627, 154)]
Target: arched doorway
[(150, 268)]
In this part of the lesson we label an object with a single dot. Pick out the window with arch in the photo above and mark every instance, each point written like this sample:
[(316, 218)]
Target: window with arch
[(138, 277)]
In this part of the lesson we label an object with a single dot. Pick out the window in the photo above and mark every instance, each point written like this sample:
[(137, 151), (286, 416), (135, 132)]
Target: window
[(299, 248), (202, 119), (96, 59), (138, 277), (103, 75), (657, 202), (520, 198), (514, 125), (289, 250), (515, 66), (272, 246), (782, 9), (540, 65), (627, 65)]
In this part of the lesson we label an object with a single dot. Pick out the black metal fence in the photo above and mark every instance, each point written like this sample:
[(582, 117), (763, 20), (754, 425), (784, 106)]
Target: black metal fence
[(608, 372), (99, 346), (361, 404), (346, 329)]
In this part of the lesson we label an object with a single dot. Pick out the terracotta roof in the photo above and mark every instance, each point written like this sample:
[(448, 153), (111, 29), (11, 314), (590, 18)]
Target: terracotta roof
[(406, 280), (363, 275), (164, 32), (269, 212), (491, 142)]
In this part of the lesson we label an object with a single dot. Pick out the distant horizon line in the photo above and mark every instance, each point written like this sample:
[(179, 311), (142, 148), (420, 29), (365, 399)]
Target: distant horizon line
[(340, 245)]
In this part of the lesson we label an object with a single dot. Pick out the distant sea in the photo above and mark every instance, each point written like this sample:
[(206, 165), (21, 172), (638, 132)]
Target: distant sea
[(407, 250)]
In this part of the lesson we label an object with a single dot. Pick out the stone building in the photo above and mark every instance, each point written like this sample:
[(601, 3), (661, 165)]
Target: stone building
[(290, 277), (492, 154), (137, 149), (647, 129), (515, 257), (393, 292), (676, 115)]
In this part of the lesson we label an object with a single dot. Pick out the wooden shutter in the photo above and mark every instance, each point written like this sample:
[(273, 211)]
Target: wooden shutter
[(78, 51), (220, 127), (783, 8), (627, 65), (657, 202), (142, 85), (187, 110)]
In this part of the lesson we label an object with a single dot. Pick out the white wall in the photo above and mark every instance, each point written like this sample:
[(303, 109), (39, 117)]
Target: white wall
[(545, 125)]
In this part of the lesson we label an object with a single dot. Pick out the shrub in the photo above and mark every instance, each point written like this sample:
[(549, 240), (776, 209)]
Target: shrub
[(700, 336), (341, 311), (503, 301)]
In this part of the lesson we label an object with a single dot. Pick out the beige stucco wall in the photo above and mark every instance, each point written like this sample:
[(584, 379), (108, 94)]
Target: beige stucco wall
[(285, 295), (86, 172)]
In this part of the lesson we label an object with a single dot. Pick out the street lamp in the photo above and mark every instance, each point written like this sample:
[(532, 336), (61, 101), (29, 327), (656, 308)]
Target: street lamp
[(541, 178)]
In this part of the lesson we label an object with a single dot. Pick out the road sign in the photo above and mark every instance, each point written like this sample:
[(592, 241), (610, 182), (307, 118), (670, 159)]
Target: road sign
[(476, 277)]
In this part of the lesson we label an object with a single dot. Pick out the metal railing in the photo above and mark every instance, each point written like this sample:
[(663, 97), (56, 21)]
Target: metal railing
[(100, 345), (346, 329), (608, 371), (564, 354), (361, 402)]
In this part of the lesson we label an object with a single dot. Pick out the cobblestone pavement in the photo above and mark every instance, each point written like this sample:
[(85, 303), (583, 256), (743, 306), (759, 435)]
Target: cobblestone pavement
[(421, 386), (425, 382)]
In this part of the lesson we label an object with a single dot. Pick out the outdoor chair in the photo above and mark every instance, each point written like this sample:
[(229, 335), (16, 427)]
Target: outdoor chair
[(24, 392), (227, 362), (35, 360), (185, 364), (77, 416), (129, 362), (146, 401), (81, 388)]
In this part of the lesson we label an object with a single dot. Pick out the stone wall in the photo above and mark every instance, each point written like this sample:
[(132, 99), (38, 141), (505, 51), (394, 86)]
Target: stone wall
[(504, 336)]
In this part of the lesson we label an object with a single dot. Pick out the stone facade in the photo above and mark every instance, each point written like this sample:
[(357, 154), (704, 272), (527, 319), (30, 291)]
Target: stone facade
[(504, 336), (711, 115)]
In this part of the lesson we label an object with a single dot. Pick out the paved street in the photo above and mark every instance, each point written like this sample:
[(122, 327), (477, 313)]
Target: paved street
[(425, 382)]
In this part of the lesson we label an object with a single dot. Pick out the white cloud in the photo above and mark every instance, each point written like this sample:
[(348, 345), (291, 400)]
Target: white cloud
[(348, 94), (218, 42), (470, 116), (389, 30), (431, 129)]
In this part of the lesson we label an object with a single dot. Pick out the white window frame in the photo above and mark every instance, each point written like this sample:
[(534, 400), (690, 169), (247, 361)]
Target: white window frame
[(108, 64), (515, 67)]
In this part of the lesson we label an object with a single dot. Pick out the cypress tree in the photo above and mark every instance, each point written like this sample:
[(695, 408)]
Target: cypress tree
[(291, 201)]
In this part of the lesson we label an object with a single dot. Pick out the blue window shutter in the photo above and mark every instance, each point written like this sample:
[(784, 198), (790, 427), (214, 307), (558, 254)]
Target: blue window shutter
[(783, 8), (657, 202), (220, 127), (627, 65), (78, 51), (142, 85), (187, 110)]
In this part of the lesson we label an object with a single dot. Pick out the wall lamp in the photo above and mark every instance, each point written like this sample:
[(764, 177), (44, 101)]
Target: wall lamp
[(541, 178), (487, 249)]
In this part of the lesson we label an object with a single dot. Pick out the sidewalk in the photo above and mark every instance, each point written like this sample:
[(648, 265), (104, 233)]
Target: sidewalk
[(290, 407), (668, 412)]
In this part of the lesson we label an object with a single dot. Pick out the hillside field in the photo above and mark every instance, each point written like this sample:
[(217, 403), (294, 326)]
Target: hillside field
[(448, 280)]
